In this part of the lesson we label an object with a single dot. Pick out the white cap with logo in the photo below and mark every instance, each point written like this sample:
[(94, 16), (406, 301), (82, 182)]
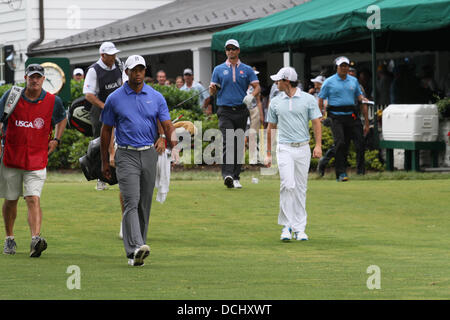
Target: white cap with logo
[(78, 71), (319, 79), (341, 60), (108, 48), (232, 42), (286, 73), (188, 71), (133, 61)]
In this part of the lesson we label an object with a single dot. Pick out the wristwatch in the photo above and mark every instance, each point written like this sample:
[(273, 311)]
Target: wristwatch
[(57, 140), (162, 136)]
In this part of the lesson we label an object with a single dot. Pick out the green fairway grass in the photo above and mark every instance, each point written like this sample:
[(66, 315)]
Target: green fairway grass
[(210, 242)]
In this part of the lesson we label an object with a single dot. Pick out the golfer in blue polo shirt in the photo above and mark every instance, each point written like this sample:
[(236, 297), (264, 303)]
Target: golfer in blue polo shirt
[(134, 110), (342, 91), (230, 80)]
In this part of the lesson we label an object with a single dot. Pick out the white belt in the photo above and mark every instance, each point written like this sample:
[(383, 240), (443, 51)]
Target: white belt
[(134, 148), (297, 144)]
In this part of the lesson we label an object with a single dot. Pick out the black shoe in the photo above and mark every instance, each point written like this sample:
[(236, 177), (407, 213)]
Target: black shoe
[(228, 181), (38, 245)]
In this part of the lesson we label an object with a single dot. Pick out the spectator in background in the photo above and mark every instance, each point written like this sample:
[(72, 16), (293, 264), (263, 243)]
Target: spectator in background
[(428, 83), (161, 77), (179, 82), (384, 82), (405, 88), (169, 82), (78, 74), (317, 81), (190, 84)]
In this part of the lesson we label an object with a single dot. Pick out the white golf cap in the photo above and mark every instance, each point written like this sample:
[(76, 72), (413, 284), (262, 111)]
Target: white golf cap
[(286, 73), (232, 42), (78, 71), (108, 48), (341, 60), (319, 79), (188, 71), (133, 61)]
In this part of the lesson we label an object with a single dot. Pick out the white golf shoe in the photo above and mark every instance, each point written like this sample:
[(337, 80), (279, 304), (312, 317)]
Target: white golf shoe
[(101, 185), (139, 255), (237, 184), (300, 236), (286, 234)]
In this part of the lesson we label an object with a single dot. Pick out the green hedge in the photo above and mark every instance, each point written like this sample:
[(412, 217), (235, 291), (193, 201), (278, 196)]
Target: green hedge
[(74, 144)]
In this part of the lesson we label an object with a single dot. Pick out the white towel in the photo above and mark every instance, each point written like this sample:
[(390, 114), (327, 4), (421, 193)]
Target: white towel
[(163, 176)]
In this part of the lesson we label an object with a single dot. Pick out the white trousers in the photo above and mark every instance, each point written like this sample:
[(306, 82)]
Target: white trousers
[(293, 165)]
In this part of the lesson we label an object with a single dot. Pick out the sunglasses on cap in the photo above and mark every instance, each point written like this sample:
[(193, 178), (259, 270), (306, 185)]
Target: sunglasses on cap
[(231, 48), (35, 67)]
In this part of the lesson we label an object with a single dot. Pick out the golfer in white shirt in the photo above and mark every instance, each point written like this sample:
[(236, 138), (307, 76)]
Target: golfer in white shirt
[(290, 113)]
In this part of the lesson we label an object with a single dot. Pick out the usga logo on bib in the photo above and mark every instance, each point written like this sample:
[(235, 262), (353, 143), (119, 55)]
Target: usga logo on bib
[(38, 123)]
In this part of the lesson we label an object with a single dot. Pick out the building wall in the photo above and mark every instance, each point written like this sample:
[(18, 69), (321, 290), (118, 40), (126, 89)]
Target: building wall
[(19, 20)]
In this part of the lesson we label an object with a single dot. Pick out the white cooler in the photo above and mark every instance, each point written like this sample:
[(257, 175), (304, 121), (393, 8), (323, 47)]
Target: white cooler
[(410, 122)]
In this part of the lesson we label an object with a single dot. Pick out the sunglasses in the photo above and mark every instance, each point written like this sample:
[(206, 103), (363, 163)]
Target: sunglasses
[(231, 49), (36, 67)]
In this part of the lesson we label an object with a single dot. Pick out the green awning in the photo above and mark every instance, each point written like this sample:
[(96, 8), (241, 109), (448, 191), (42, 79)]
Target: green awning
[(319, 22)]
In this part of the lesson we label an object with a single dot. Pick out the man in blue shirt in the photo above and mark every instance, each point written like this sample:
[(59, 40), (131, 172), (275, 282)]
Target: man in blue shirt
[(230, 80), (342, 91), (290, 112), (134, 110)]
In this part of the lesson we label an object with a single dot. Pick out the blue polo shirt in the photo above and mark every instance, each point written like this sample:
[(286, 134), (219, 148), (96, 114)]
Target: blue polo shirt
[(59, 112), (340, 92), (233, 81), (135, 115)]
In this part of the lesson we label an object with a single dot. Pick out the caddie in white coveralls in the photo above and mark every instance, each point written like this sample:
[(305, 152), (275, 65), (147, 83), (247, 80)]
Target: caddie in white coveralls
[(290, 113)]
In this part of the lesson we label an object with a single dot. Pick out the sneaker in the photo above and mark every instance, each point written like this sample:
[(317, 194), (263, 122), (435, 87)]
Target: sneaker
[(300, 236), (38, 245), (10, 246), (101, 185), (342, 177), (286, 234), (321, 167), (228, 181), (237, 184), (139, 256)]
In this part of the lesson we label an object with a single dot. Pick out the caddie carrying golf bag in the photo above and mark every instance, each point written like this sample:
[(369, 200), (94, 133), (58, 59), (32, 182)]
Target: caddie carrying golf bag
[(79, 117), (91, 164)]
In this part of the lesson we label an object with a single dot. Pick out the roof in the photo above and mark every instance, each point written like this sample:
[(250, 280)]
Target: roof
[(175, 18), (321, 22)]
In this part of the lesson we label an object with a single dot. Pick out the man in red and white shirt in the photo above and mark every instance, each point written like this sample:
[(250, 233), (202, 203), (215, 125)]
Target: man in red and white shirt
[(27, 142)]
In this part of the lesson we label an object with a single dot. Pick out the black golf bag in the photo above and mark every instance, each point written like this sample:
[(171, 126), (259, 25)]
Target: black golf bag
[(79, 116), (91, 164)]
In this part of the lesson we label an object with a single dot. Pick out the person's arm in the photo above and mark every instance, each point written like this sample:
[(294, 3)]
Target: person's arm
[(260, 108), (270, 134), (105, 140), (169, 131), (365, 113), (321, 106), (112, 150), (94, 100), (59, 130), (256, 88), (160, 144), (317, 129)]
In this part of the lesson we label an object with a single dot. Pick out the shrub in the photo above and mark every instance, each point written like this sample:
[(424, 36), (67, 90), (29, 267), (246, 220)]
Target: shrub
[(73, 146)]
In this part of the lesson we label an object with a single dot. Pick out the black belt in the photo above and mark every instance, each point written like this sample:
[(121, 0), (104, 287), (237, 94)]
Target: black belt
[(238, 107), (350, 108)]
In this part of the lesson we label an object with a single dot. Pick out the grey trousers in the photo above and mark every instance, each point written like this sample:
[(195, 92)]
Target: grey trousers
[(136, 172)]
